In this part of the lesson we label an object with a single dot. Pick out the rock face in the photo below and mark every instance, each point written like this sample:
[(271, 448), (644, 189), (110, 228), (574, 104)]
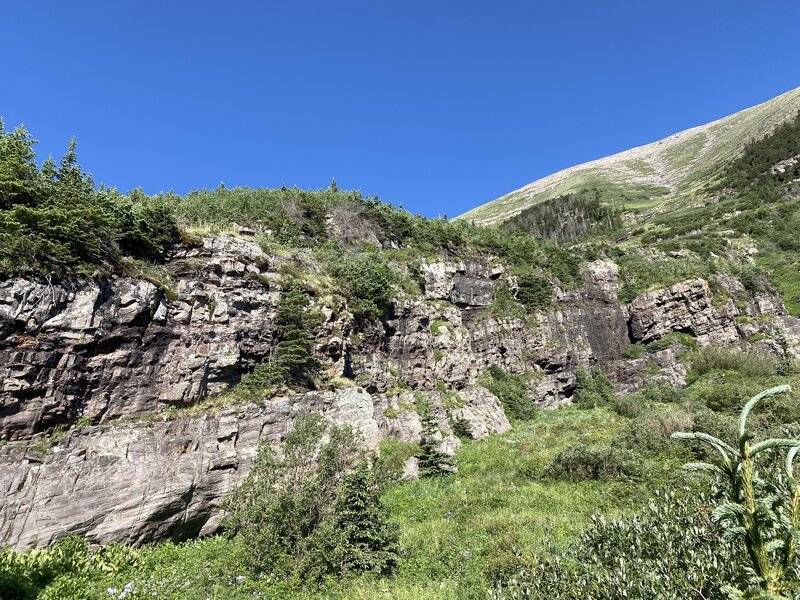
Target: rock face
[(428, 342), (684, 307), (124, 350), (465, 284), (398, 415), (165, 479)]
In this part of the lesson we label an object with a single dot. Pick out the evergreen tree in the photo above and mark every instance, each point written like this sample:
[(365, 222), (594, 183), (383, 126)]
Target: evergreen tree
[(293, 361), (357, 538), (19, 178), (54, 222), (432, 461), (313, 510)]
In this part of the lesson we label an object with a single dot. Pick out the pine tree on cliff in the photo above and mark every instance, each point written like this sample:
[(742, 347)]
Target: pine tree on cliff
[(293, 360), (432, 461)]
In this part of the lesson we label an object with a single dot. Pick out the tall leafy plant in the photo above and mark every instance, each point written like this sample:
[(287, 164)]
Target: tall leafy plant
[(760, 511)]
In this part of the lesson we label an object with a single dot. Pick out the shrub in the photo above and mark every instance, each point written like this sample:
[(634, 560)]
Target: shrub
[(642, 556), (513, 391), (664, 342), (662, 393), (581, 462), (593, 390), (640, 273), (721, 394), (747, 363), (649, 434), (60, 570), (504, 304), (628, 406), (634, 351), (356, 537), (432, 461), (293, 216), (292, 361), (369, 279), (392, 458), (779, 410), (313, 511), (534, 290)]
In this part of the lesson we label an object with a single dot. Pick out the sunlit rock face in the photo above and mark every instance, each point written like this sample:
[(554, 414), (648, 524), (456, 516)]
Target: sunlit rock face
[(165, 478), (686, 307), (120, 355)]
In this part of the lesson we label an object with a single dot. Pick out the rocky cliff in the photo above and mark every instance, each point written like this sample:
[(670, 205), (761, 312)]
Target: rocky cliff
[(103, 385)]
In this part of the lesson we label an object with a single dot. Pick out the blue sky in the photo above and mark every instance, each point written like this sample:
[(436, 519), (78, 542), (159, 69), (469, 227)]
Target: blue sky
[(435, 105)]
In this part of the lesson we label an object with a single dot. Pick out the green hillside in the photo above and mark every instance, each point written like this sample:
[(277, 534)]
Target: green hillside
[(657, 173)]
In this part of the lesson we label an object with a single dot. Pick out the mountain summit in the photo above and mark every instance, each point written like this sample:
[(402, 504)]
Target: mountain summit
[(646, 176)]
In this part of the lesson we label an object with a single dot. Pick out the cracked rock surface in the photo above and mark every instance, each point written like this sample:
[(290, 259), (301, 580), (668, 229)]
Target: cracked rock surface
[(119, 353)]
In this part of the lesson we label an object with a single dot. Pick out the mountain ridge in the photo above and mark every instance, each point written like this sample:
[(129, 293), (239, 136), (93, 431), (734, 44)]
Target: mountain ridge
[(646, 175)]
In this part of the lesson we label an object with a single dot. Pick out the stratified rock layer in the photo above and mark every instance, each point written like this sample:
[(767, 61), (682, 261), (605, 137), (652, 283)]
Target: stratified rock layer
[(685, 307), (122, 348), (165, 479), (116, 354)]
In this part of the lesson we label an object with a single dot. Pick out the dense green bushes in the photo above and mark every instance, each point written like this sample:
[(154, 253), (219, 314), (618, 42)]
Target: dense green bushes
[(299, 217), (641, 273), (581, 462), (643, 556), (368, 280), (293, 216), (533, 290), (746, 363), (313, 511), (593, 389), (292, 361), (61, 569), (648, 434), (513, 390)]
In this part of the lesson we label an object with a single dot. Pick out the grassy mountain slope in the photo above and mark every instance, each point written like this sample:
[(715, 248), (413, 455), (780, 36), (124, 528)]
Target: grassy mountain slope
[(648, 175)]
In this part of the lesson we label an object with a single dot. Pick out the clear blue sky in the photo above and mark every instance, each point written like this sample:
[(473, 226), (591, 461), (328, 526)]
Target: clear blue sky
[(436, 105)]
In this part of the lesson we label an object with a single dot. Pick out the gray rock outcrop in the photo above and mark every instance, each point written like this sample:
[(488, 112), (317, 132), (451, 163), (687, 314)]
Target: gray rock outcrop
[(124, 348), (165, 479), (684, 307), (124, 354)]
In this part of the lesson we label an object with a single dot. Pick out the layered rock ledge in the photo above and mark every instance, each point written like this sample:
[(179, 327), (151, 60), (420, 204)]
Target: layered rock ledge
[(124, 354)]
